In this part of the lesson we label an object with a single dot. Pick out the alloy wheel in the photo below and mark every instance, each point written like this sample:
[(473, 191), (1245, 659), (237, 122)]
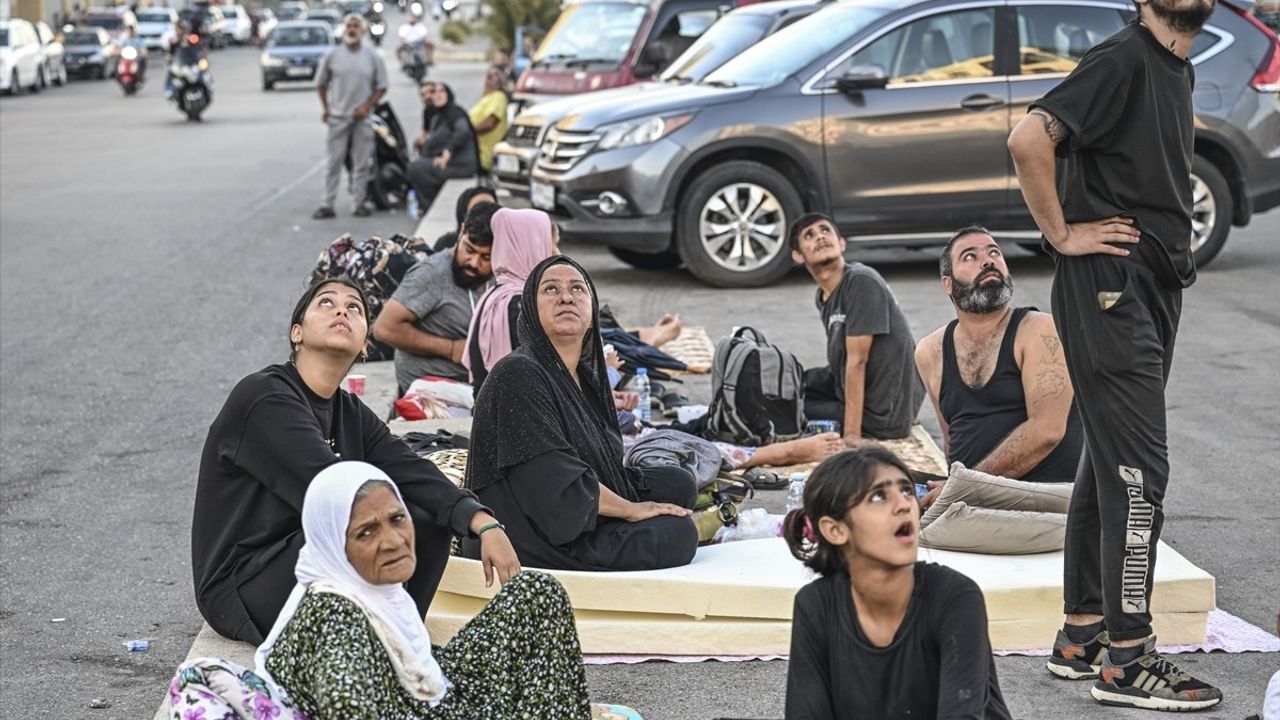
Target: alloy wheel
[(742, 227), (1204, 212)]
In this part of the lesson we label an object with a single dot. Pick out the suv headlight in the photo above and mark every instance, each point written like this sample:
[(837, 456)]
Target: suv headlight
[(642, 131), (270, 61)]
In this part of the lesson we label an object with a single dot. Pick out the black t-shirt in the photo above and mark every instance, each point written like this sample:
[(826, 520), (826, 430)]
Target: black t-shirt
[(939, 664), (271, 438), (1128, 108), (863, 304)]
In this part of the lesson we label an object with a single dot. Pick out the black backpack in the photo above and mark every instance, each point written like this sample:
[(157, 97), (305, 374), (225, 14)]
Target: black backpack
[(757, 392)]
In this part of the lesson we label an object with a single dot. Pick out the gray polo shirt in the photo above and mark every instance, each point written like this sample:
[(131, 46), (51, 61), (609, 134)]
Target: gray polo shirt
[(351, 76), (442, 309)]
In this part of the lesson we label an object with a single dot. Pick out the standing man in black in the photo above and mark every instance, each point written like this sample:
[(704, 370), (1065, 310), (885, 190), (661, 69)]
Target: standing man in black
[(1119, 225)]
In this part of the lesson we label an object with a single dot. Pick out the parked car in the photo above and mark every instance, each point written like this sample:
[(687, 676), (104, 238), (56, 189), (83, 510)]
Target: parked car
[(292, 10), (20, 68), (514, 157), (293, 51), (211, 21), (600, 44), (113, 19), (53, 56), (264, 21), (893, 118), (155, 26), (239, 25), (90, 53), (330, 17)]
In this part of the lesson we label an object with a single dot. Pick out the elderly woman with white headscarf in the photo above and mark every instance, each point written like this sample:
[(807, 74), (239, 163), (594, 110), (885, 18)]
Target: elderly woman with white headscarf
[(350, 643)]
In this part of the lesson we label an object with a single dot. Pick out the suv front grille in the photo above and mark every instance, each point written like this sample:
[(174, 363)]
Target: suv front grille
[(524, 135), (563, 149)]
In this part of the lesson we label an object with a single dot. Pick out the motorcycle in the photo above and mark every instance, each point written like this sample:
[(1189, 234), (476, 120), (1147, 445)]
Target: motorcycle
[(389, 184), (129, 70), (191, 88), (377, 26), (414, 61)]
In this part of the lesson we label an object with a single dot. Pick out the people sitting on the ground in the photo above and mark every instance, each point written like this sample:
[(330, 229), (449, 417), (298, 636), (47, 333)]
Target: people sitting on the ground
[(870, 384), (546, 454), (426, 319), (449, 151), (880, 631), (279, 428), (469, 198), (996, 374), (489, 117), (350, 641)]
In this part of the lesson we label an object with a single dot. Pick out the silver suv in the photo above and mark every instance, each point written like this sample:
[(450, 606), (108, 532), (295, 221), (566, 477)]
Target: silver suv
[(892, 116)]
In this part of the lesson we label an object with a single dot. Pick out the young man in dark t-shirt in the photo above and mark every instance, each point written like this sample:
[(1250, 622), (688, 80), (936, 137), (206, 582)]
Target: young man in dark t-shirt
[(870, 384), (1119, 226)]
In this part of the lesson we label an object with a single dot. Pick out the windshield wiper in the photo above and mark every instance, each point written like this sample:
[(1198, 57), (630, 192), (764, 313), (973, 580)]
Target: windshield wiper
[(583, 62), (548, 59), (720, 83)]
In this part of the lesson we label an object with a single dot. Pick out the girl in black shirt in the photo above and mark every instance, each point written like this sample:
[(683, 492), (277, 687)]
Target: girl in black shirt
[(881, 635)]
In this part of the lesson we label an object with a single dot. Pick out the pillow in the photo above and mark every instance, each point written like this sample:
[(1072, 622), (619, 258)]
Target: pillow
[(995, 532), (980, 490)]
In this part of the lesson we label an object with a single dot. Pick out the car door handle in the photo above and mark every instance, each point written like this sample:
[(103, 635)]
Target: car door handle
[(981, 101)]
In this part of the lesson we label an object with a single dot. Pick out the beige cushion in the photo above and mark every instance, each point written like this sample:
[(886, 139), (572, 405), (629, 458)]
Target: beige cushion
[(995, 532), (980, 490)]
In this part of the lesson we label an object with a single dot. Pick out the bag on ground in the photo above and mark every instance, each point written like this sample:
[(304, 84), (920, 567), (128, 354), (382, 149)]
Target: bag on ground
[(757, 391)]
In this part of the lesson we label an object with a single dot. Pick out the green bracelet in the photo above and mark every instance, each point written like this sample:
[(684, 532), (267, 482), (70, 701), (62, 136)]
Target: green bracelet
[(489, 527)]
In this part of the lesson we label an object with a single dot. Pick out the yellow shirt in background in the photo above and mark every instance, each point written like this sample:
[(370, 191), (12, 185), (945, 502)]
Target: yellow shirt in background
[(494, 103)]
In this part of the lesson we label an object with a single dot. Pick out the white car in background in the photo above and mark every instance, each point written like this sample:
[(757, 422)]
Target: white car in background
[(239, 25), (53, 56), (155, 26), (19, 57)]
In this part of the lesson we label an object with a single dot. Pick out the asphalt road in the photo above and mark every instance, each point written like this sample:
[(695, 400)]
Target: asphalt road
[(148, 263)]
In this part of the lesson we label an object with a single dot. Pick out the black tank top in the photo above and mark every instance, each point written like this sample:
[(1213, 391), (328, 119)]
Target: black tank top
[(979, 419)]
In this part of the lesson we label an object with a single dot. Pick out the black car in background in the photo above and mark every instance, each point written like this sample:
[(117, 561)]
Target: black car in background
[(90, 53), (892, 116)]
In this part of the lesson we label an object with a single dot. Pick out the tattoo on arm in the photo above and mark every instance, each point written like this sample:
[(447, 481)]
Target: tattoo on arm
[(1051, 382), (1051, 343), (1053, 127)]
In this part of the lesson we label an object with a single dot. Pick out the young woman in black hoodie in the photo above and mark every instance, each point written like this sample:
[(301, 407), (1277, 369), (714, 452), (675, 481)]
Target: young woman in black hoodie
[(278, 429)]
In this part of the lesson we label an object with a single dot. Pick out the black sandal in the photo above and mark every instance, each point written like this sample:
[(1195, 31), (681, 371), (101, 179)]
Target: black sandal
[(762, 479)]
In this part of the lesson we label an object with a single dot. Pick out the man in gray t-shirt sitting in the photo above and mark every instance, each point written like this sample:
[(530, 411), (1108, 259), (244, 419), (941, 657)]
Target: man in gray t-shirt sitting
[(427, 318), (870, 385)]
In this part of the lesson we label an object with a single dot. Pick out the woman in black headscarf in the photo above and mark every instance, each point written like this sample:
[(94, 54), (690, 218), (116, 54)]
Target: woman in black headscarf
[(546, 454), (469, 198), (449, 152)]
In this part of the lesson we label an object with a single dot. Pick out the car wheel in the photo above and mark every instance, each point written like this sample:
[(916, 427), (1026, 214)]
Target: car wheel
[(1211, 211), (732, 225), (15, 87), (267, 85), (61, 78), (647, 261), (41, 81), (388, 188)]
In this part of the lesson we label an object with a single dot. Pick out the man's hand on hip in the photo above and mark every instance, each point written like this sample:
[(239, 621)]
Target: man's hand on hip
[(324, 116), (1095, 238)]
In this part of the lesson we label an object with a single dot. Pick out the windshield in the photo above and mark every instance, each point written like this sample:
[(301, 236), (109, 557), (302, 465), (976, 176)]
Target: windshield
[(787, 51), (106, 23), (80, 38), (331, 18), (359, 8), (592, 31), (153, 17), (296, 36), (4, 37), (728, 37), (290, 13), (230, 11)]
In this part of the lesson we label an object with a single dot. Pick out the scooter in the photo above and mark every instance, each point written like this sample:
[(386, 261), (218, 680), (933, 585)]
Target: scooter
[(414, 61), (191, 82), (389, 184), (129, 70)]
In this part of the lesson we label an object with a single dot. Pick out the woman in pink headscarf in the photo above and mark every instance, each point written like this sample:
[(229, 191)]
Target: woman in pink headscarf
[(521, 240)]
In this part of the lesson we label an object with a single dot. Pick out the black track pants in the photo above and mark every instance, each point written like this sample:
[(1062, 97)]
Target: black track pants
[(1117, 323)]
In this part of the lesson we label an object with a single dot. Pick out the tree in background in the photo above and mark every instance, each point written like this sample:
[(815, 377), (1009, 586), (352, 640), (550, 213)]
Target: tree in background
[(507, 15)]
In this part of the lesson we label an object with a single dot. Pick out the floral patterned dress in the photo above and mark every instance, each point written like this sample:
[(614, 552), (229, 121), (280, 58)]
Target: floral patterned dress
[(518, 658)]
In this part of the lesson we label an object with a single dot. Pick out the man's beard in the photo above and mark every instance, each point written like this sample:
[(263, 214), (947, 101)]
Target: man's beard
[(1185, 20), (351, 39), (980, 299), (464, 279)]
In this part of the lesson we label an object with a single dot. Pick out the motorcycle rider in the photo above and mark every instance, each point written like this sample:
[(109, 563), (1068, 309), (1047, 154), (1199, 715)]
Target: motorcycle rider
[(132, 40), (413, 38)]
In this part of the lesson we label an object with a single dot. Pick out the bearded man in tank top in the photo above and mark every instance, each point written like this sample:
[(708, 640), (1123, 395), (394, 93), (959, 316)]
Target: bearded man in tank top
[(996, 374)]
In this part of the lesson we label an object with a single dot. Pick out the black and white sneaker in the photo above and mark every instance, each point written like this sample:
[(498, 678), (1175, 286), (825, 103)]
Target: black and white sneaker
[(1077, 661), (1152, 683)]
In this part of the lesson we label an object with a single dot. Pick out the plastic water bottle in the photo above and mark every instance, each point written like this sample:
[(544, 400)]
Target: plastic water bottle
[(412, 203), (795, 494), (642, 387)]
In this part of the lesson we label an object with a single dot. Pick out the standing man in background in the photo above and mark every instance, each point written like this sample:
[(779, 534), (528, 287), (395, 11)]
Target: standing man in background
[(1119, 226), (351, 81)]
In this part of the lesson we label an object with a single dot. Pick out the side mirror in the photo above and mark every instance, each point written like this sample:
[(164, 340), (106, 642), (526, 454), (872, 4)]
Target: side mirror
[(862, 77)]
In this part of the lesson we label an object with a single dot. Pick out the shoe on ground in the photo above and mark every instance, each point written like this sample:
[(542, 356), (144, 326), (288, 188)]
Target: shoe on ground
[(362, 210), (1076, 661), (323, 213), (1152, 683)]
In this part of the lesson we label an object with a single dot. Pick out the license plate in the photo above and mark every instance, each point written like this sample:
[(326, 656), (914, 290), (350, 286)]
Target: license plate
[(542, 195), (298, 72), (508, 164)]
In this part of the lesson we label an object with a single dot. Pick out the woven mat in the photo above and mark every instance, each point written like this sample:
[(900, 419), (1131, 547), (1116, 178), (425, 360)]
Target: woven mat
[(694, 348), (917, 450)]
